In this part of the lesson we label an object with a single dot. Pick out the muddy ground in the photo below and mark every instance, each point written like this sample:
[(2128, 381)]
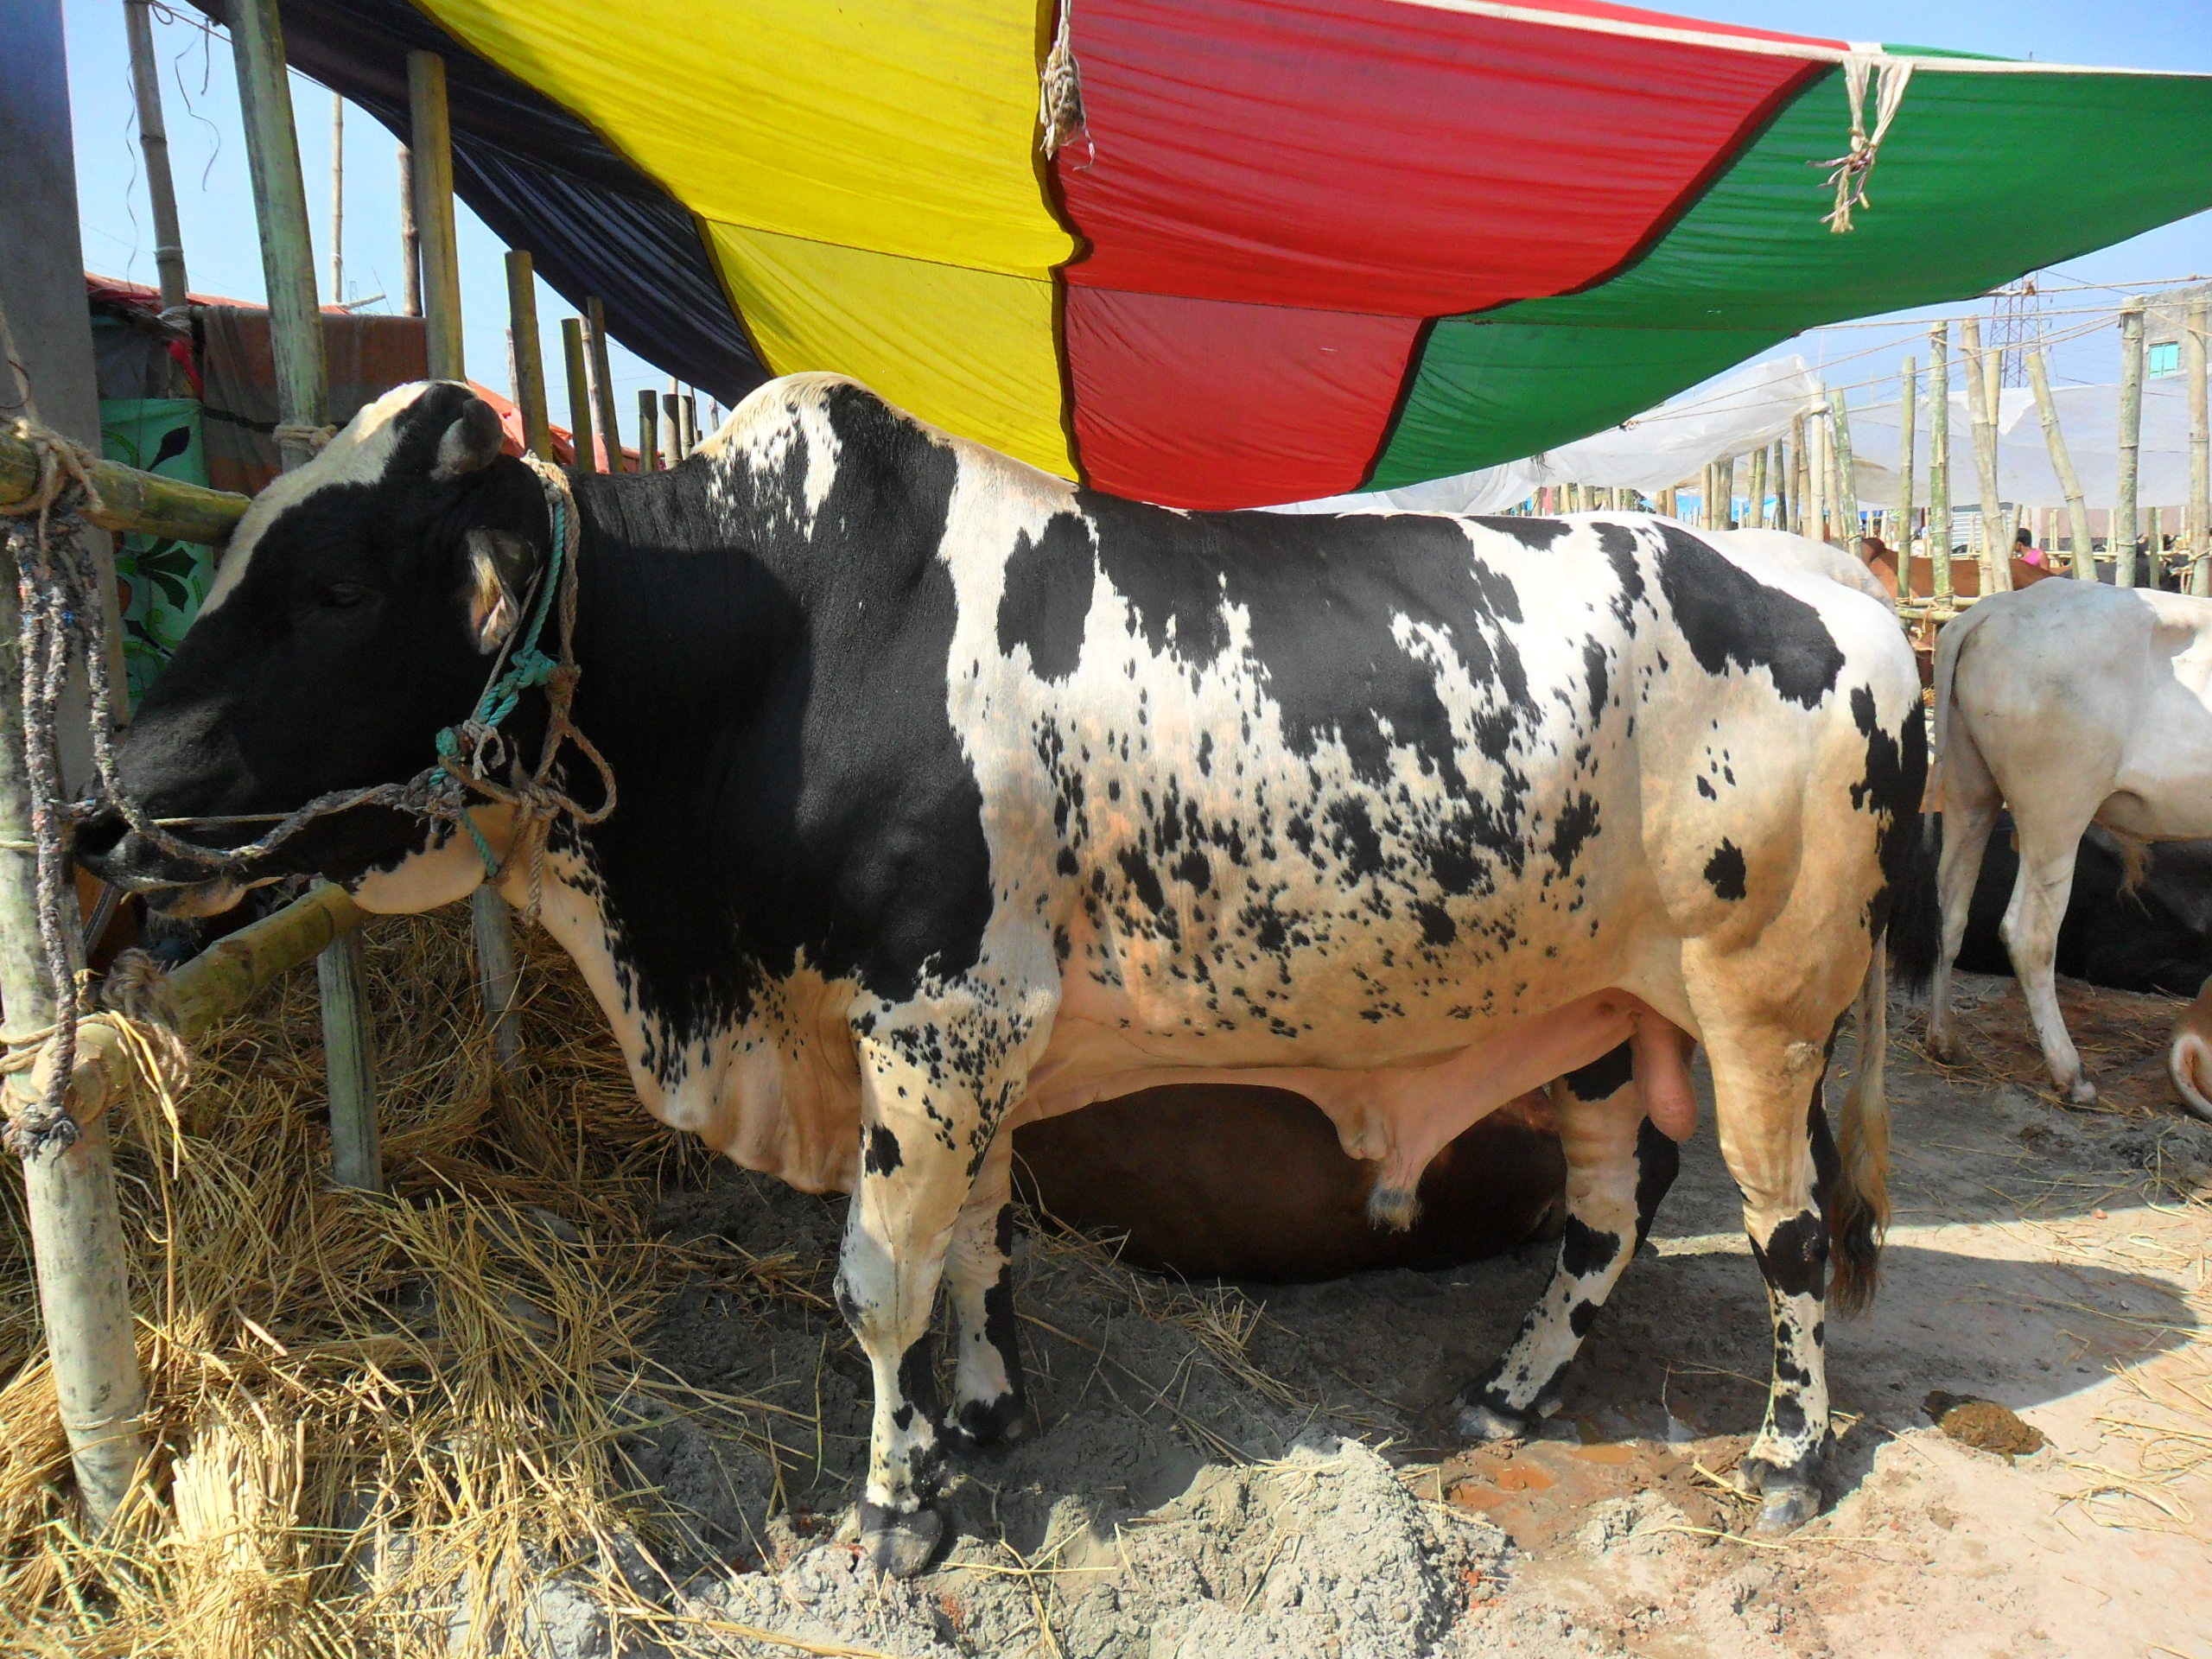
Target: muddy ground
[(1236, 1471)]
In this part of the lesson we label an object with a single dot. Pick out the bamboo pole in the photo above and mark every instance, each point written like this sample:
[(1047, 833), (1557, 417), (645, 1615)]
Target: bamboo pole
[(1908, 417), (1939, 465), (281, 205), (337, 199), (579, 420), (410, 239), (691, 429), (2125, 522), (433, 152), (1756, 487), (1980, 368), (602, 382), (1778, 476), (529, 361), (1799, 472), (296, 339), (1818, 471), (2199, 320), (1847, 471), (673, 405), (130, 500), (2061, 462), (648, 431), (153, 145)]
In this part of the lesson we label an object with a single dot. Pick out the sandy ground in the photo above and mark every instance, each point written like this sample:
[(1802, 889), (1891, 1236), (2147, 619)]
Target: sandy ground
[(1242, 1472)]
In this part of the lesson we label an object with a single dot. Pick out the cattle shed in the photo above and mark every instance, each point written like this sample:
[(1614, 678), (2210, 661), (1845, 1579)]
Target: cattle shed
[(365, 1312)]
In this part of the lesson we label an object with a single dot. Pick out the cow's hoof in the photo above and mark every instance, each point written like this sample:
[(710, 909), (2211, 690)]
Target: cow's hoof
[(1785, 1509), (899, 1545), (978, 1428), (2081, 1092), (1484, 1420)]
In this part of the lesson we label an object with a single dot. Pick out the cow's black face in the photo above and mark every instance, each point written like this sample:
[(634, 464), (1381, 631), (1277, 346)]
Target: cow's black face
[(357, 613)]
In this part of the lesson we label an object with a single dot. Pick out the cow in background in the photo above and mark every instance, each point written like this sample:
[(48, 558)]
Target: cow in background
[(2074, 703)]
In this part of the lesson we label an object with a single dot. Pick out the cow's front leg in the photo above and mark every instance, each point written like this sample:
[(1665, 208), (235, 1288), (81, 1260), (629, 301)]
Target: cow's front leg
[(989, 1405), (933, 1093), (1618, 1167)]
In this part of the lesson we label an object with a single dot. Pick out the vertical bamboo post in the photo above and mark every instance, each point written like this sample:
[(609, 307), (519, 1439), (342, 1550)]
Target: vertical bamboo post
[(579, 422), (1908, 417), (1756, 486), (433, 151), (648, 431), (691, 423), (296, 342), (2125, 521), (1979, 367), (410, 239), (2198, 320), (529, 360), (1939, 463), (674, 406), (603, 381), (1667, 502), (153, 145), (69, 1193), (1799, 472), (1819, 470), (1846, 470), (338, 199), (2061, 462), (1778, 479)]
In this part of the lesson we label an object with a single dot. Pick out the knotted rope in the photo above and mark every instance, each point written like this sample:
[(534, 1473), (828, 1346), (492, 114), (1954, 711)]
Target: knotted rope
[(1059, 92), (1848, 173)]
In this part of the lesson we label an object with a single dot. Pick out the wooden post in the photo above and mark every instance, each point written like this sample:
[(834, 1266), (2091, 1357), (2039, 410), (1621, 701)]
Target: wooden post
[(602, 382), (153, 145), (2200, 449), (1996, 566), (338, 199), (691, 423), (2126, 525), (1756, 487), (674, 406), (572, 358), (529, 361), (1778, 477), (1907, 417), (1939, 464), (410, 239), (1819, 472), (1847, 471), (433, 152), (2061, 462), (648, 431), (296, 341), (1798, 474)]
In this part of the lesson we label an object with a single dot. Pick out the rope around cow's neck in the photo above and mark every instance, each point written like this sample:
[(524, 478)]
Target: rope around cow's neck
[(64, 614)]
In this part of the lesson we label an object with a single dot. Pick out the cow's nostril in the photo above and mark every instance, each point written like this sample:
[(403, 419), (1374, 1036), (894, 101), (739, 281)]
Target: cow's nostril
[(98, 835)]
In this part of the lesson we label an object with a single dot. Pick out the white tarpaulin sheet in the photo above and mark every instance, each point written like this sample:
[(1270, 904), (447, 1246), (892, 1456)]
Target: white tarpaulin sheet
[(1650, 452)]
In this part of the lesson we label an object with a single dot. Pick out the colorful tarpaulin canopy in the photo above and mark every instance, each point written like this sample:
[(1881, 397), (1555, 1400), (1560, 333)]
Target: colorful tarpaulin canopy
[(1279, 249)]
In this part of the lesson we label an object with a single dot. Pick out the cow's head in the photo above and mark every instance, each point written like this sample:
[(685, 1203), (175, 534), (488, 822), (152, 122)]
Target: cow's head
[(356, 613)]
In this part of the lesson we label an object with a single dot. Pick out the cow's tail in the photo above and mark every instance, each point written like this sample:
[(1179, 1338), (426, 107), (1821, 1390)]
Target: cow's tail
[(1906, 930)]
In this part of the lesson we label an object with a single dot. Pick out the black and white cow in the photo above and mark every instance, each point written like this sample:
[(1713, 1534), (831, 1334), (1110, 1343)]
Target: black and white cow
[(953, 794)]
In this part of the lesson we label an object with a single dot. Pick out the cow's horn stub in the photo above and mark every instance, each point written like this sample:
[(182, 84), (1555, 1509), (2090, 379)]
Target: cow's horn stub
[(470, 443)]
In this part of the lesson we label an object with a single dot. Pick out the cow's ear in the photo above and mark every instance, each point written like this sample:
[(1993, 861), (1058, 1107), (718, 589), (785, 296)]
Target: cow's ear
[(470, 443), (501, 564)]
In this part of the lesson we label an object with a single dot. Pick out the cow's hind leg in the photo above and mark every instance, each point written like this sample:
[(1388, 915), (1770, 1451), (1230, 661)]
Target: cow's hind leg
[(1775, 1137), (2050, 840), (1970, 806), (1618, 1167), (989, 1405)]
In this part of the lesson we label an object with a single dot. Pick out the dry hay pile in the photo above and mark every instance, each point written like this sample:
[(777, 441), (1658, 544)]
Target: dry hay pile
[(377, 1421)]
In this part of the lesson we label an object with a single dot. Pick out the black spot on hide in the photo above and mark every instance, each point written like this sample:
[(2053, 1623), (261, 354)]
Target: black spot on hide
[(882, 1155), (1605, 1077), (1048, 588), (1724, 871), (1732, 619)]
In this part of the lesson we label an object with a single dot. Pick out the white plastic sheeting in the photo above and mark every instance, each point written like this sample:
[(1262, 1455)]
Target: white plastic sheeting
[(1660, 447)]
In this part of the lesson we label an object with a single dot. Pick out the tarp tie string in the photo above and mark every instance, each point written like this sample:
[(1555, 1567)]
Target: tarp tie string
[(1848, 173), (1059, 93)]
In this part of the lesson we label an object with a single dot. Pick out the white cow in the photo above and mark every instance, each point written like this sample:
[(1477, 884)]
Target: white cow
[(2072, 704)]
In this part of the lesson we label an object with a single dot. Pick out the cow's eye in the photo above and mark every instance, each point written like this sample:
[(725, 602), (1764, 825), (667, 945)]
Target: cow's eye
[(343, 595)]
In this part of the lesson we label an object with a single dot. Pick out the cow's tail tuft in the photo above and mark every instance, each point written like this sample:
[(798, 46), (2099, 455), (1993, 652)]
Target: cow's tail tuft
[(1912, 846), (1859, 1205), (2189, 1062)]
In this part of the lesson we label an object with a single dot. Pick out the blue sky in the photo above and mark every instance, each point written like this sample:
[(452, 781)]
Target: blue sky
[(208, 157)]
